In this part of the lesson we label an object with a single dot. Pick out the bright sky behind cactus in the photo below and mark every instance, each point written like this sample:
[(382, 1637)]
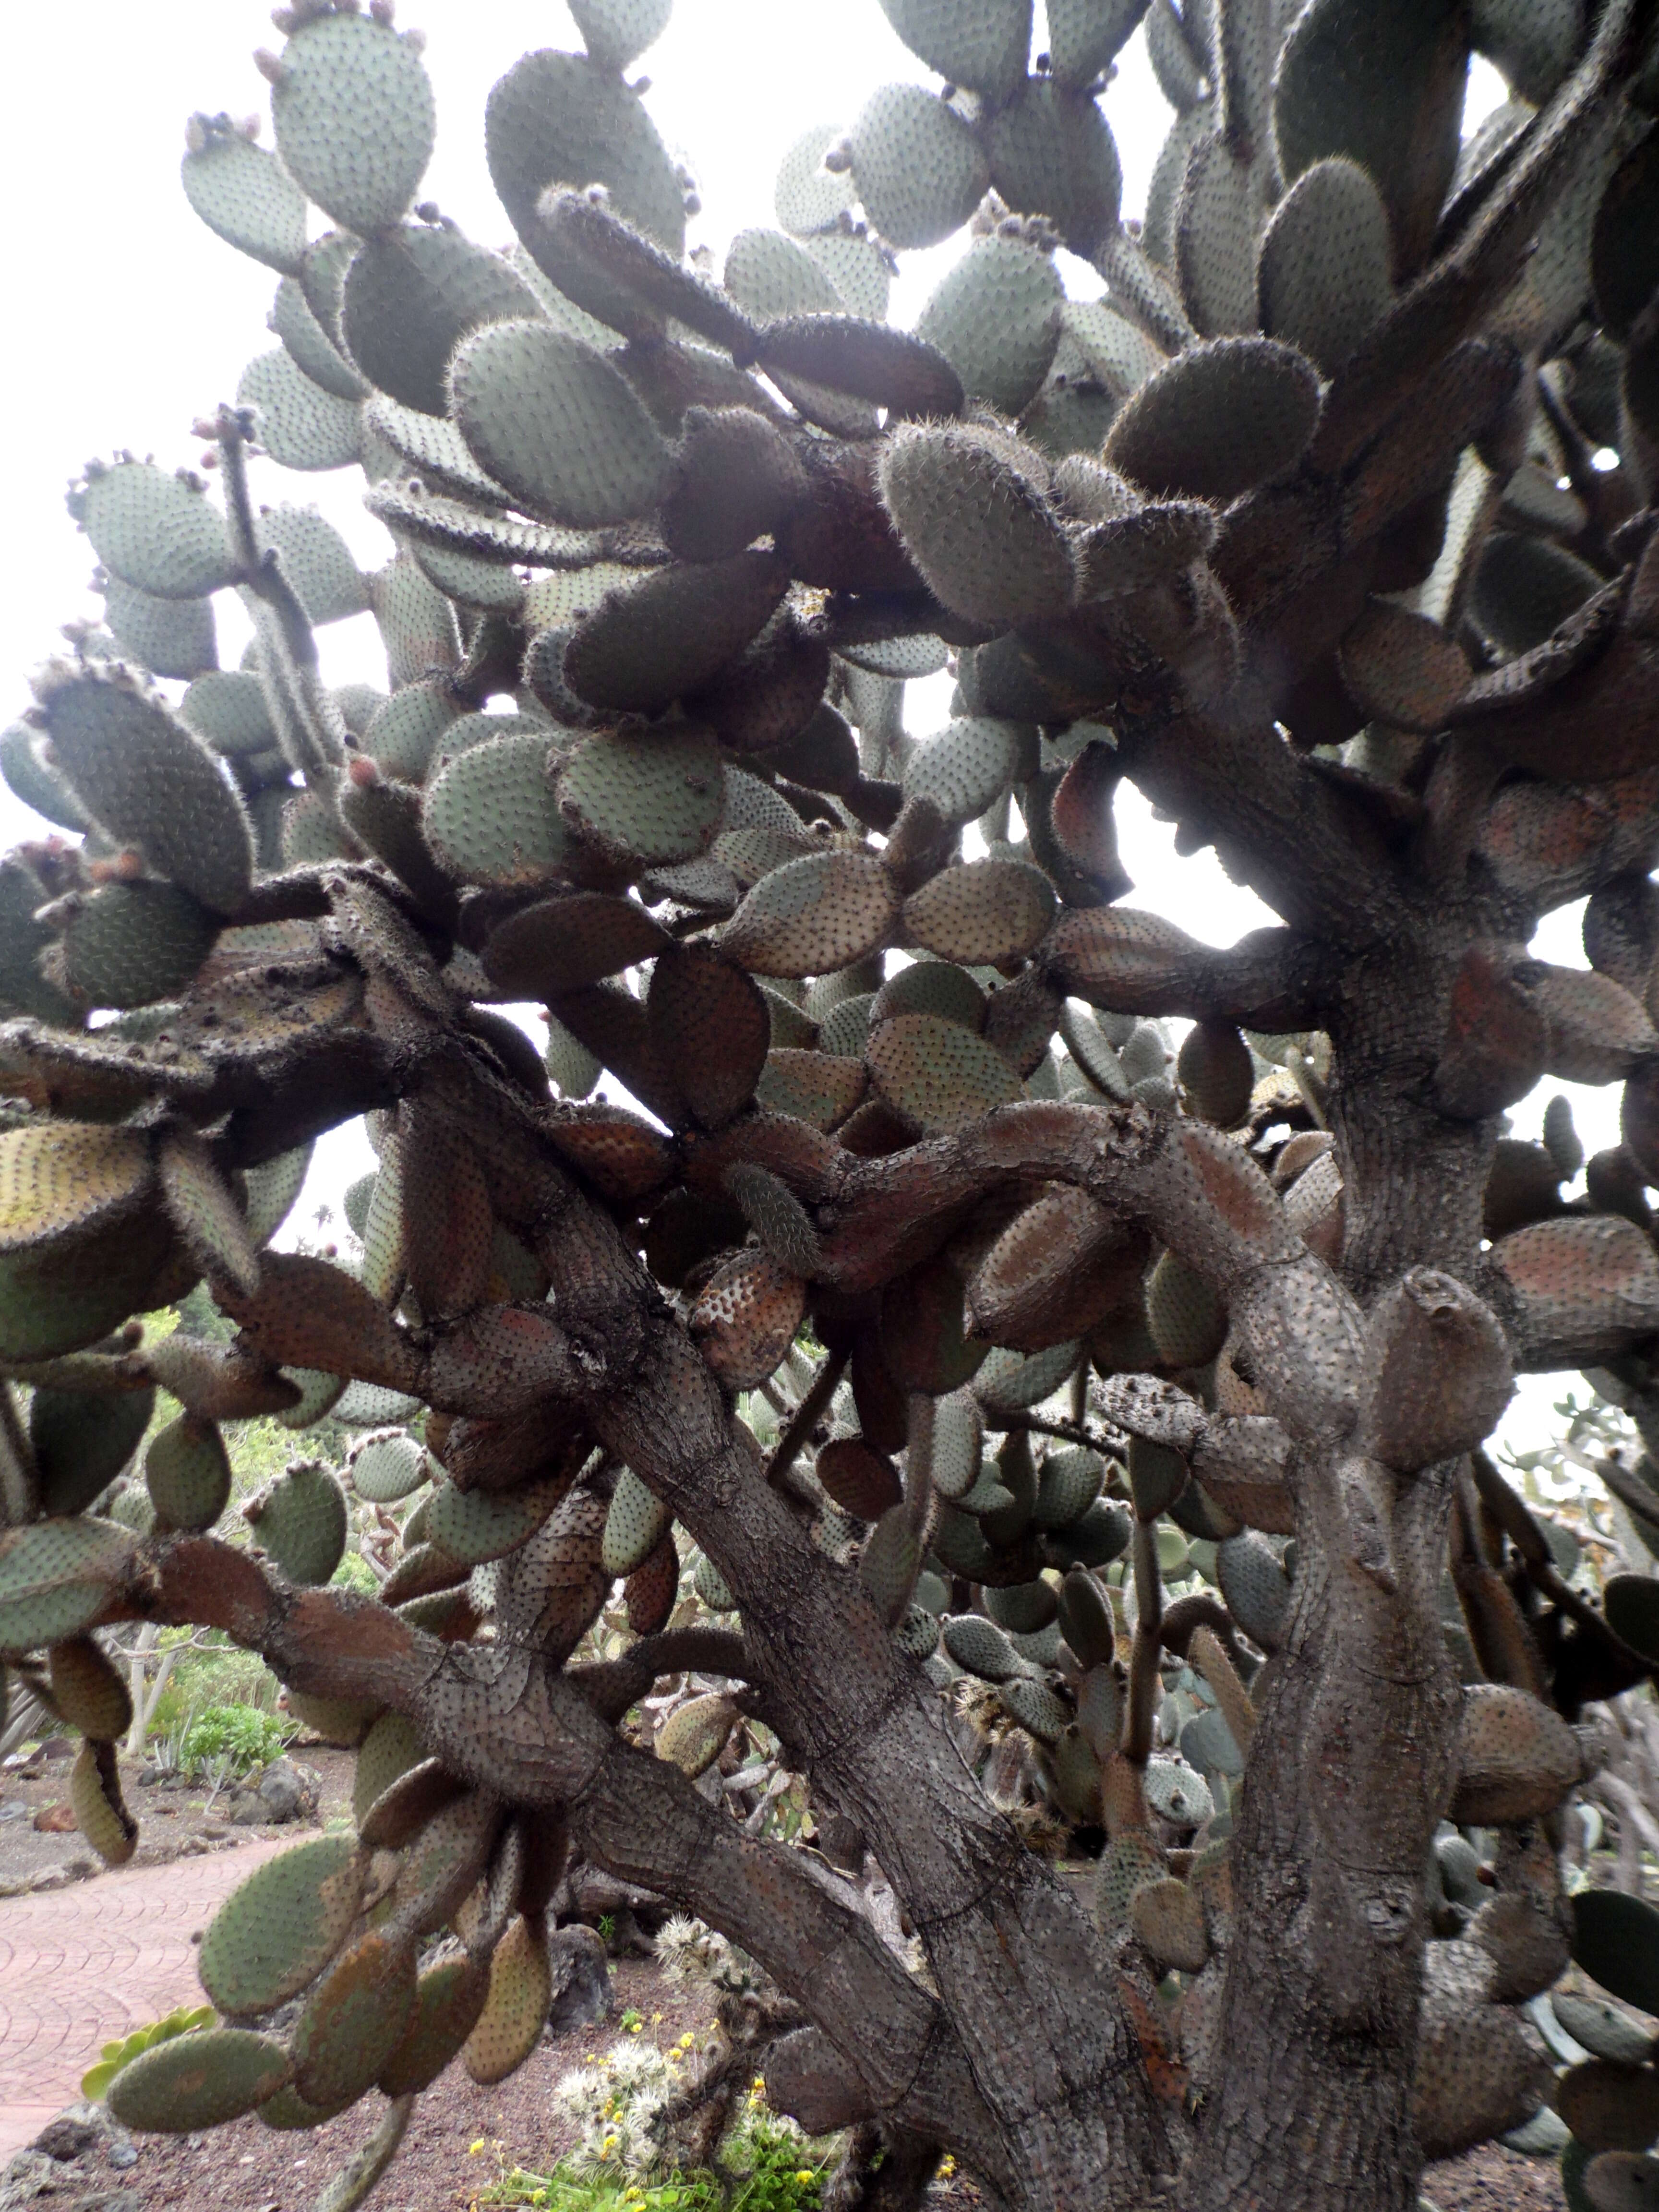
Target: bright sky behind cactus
[(131, 319)]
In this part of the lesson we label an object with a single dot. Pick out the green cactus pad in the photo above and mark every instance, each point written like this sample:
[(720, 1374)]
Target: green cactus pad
[(1168, 1924), (1009, 1382), (412, 296), (1035, 1709), (131, 945), (300, 424), (1053, 154), (1220, 418), (1084, 35), (634, 1525), (561, 119), (996, 317), (387, 1466), (1325, 276), (294, 319), (987, 911), (227, 708), (55, 1577), (390, 1749), (37, 785), (472, 1526), (301, 1519), (245, 196), (969, 506), (1255, 1586), (576, 225), (1174, 1790), (1602, 2029), (643, 647), (617, 32), (870, 361), (889, 1563), (918, 167), (448, 1999), (983, 44), (1127, 1866), (807, 197), (930, 986), (88, 1690), (81, 1443), (770, 276), (355, 2018), (170, 637), (159, 532), (490, 817), (187, 1473), (937, 1074), (1383, 87), (554, 422), (355, 119), (981, 1648), (317, 562), (198, 2081), (276, 1932), (650, 798)]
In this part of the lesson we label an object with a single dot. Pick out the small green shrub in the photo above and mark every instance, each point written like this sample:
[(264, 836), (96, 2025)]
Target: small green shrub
[(241, 1734)]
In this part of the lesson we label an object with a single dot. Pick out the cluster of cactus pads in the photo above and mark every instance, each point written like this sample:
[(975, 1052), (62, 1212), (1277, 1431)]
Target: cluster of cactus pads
[(1326, 521)]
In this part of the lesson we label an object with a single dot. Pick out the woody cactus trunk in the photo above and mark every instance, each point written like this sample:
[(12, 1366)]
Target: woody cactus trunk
[(1127, 1503)]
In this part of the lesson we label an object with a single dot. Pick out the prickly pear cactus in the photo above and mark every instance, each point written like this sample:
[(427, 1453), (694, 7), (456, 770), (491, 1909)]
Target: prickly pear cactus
[(900, 1304)]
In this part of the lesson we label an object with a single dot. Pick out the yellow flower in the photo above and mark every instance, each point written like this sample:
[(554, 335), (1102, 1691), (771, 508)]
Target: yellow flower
[(758, 2084), (656, 2019), (672, 2057), (637, 2027), (686, 2041), (473, 2148), (803, 2178)]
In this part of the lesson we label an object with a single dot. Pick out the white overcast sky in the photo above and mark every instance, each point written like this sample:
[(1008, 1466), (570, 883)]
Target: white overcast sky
[(129, 319)]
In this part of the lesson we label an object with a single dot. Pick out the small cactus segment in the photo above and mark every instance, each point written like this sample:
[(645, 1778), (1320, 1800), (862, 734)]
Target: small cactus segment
[(814, 914), (244, 194), (745, 1318), (170, 637), (99, 1813), (1517, 1759), (1221, 418), (962, 769), (489, 816), (87, 1691), (448, 1999), (642, 649), (81, 1443), (983, 44), (300, 425), (1168, 1924), (694, 1735), (561, 120), (149, 780), (651, 800), (389, 1749), (1384, 89), (198, 2081), (1053, 155), (158, 532), (130, 945), (1255, 1586), (387, 1465), (354, 2020), (970, 506), (301, 1519), (274, 1934), (996, 319), (987, 911), (553, 421), (1188, 1320), (635, 1525), (1399, 668), (355, 119), (889, 1563), (617, 32), (936, 1075), (515, 2011), (919, 169), (410, 296), (1325, 276)]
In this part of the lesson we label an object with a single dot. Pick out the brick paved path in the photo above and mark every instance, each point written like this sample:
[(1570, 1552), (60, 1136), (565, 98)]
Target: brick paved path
[(81, 1965)]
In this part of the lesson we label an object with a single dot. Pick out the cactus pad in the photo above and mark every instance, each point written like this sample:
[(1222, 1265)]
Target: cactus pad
[(355, 119), (969, 506), (938, 1075), (198, 2081), (354, 2020), (301, 1519), (1220, 418), (918, 167), (275, 1932)]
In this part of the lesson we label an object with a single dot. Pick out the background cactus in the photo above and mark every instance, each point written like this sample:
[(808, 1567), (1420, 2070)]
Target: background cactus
[(1126, 1386)]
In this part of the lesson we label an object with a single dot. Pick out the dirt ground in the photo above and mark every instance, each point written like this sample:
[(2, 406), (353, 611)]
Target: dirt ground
[(175, 1818)]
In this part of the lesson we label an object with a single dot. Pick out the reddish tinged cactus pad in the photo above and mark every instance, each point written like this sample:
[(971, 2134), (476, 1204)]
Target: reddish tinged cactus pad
[(745, 1318), (1516, 1758)]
